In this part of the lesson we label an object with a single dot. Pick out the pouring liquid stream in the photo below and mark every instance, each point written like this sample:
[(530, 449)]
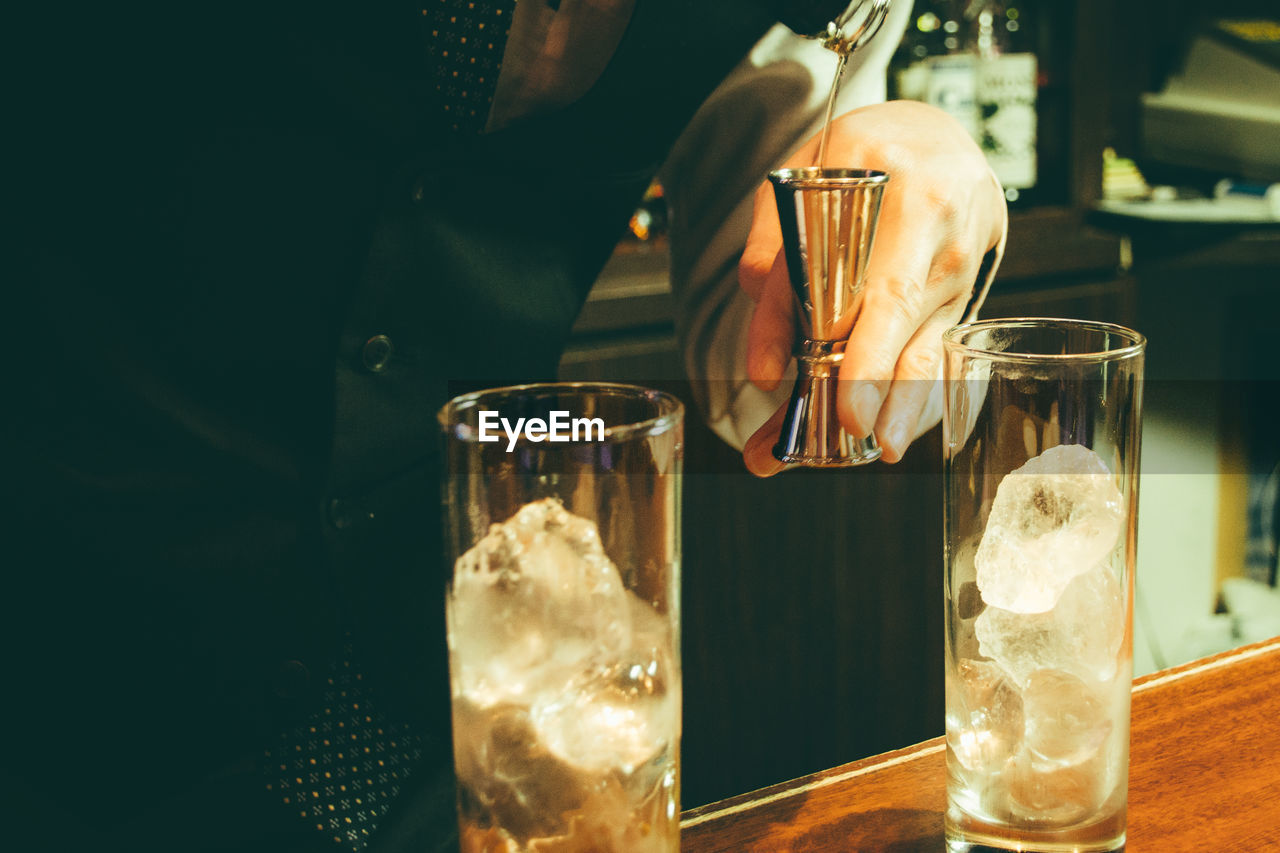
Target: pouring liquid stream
[(826, 132), (857, 25), (831, 105)]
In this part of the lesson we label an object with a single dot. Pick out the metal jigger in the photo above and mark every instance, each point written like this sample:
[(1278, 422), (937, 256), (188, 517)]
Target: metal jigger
[(828, 221)]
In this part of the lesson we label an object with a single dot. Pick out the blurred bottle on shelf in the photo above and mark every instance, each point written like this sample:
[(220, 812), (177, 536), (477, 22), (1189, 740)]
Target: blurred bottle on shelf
[(972, 58), (932, 65), (1006, 93)]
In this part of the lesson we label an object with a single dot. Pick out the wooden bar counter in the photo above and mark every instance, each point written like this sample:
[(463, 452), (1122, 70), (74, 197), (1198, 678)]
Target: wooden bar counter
[(1204, 774)]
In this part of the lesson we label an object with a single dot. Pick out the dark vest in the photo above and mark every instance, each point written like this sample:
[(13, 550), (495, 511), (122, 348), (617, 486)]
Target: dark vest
[(250, 270)]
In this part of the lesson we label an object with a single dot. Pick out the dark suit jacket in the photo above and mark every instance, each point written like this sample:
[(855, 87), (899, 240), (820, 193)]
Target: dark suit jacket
[(215, 467)]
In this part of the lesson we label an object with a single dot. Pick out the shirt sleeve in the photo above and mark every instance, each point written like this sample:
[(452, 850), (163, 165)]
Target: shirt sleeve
[(771, 103)]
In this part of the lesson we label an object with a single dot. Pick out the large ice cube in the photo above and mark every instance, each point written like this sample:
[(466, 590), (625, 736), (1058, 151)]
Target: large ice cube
[(502, 766), (1058, 796), (1056, 517), (984, 716), (1082, 635), (622, 715), (533, 604), (1067, 721)]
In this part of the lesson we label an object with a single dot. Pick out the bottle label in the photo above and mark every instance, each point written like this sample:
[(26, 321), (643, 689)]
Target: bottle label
[(952, 87), (1005, 91)]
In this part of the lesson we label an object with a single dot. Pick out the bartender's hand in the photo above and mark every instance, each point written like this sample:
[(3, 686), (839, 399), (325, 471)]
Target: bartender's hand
[(942, 212)]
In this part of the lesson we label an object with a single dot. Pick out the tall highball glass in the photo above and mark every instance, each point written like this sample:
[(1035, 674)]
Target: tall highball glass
[(562, 508), (1041, 429)]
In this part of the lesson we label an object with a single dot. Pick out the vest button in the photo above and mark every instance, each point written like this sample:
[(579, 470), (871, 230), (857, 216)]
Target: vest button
[(377, 353)]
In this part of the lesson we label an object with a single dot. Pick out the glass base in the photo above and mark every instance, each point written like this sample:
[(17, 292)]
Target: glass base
[(954, 846), (965, 834), (827, 462)]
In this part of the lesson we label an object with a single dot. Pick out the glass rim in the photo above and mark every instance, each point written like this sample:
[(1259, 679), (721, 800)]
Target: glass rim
[(818, 177), (953, 339), (670, 408)]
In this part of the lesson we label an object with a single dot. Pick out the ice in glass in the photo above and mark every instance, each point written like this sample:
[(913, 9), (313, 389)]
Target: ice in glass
[(563, 629), (1041, 432)]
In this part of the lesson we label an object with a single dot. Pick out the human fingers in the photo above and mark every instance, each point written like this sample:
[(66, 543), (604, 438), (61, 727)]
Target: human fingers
[(772, 330), (897, 338), (896, 300), (915, 383), (942, 211), (757, 453), (764, 244), (919, 281)]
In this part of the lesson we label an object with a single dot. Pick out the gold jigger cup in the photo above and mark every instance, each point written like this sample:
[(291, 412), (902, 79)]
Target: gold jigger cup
[(828, 221)]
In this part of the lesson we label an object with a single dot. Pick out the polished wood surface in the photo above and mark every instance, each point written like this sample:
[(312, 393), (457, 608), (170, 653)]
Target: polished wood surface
[(1204, 775)]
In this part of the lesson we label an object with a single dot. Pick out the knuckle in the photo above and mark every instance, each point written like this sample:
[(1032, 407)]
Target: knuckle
[(871, 361), (953, 307), (921, 362), (897, 155), (943, 203), (952, 262), (900, 297)]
